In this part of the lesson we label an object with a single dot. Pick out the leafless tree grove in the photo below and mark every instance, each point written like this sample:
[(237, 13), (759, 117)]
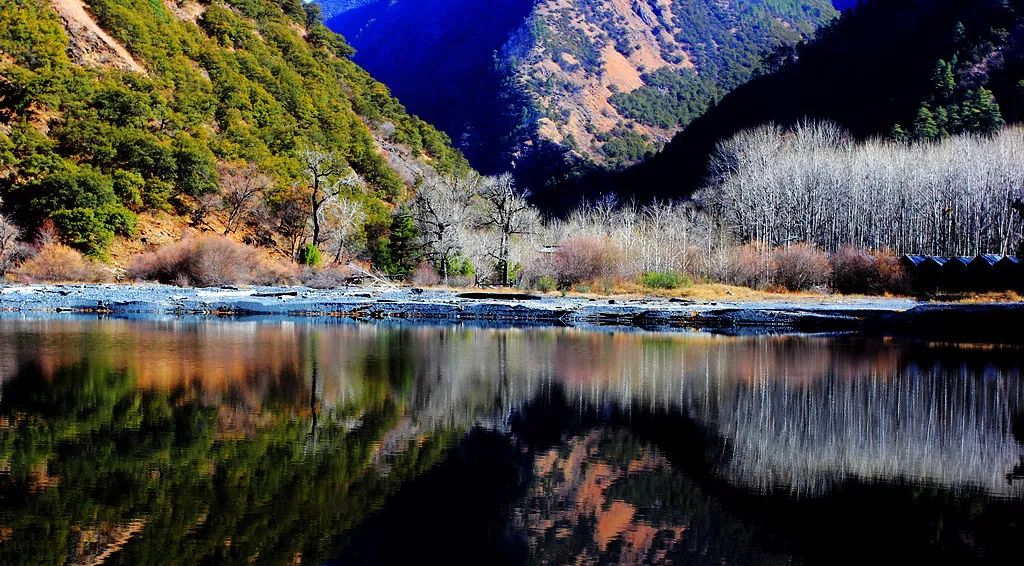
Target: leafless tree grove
[(815, 184), (442, 209)]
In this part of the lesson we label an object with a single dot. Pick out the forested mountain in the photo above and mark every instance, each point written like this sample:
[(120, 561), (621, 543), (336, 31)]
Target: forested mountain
[(113, 109), (545, 86), (918, 69)]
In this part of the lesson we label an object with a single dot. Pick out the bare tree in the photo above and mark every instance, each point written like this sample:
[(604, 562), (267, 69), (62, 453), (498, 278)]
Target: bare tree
[(815, 184), (328, 176), (9, 234), (443, 215), (341, 219), (242, 188), (505, 210)]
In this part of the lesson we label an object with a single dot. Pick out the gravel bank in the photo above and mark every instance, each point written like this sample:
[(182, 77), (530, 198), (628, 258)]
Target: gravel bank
[(799, 315)]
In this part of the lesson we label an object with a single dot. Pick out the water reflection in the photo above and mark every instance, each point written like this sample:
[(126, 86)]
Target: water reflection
[(283, 442)]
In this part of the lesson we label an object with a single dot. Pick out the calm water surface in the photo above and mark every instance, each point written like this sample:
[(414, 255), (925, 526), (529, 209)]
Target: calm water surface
[(223, 442)]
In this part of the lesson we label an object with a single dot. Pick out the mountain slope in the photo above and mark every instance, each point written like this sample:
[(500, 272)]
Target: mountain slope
[(872, 70), (544, 85), (115, 108)]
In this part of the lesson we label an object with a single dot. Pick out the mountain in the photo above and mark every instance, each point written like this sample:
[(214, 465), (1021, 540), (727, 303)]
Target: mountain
[(331, 8), (111, 110), (876, 71), (548, 85)]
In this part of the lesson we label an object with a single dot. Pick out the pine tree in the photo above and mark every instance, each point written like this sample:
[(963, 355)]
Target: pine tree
[(990, 118), (898, 133), (942, 122), (925, 127), (943, 81), (402, 253)]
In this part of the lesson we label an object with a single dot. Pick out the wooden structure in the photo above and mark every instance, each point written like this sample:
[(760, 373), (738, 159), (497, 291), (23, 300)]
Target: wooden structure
[(985, 272)]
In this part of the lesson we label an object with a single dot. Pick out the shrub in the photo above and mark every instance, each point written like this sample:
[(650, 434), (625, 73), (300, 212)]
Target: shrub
[(891, 276), (545, 284), (57, 263), (860, 271), (747, 266), (585, 258), (82, 203), (424, 275), (854, 271), (208, 261), (664, 280), (309, 255), (801, 266), (327, 278)]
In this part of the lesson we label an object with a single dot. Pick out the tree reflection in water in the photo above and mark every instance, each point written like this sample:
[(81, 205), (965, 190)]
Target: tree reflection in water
[(144, 442)]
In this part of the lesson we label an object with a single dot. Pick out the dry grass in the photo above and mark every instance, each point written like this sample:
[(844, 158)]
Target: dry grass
[(712, 292), (991, 297), (327, 277), (209, 261), (57, 263)]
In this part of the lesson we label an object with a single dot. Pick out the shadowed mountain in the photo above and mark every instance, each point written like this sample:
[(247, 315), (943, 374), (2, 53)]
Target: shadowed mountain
[(549, 87), (869, 71)]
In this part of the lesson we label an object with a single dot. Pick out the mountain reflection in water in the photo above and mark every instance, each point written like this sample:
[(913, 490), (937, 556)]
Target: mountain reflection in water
[(149, 442)]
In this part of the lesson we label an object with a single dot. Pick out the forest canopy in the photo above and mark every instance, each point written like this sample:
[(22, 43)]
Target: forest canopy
[(244, 81)]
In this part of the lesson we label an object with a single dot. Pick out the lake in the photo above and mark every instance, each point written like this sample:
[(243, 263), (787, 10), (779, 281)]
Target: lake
[(192, 441)]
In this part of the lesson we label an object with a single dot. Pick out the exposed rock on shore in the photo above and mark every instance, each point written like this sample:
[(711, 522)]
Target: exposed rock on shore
[(1000, 321)]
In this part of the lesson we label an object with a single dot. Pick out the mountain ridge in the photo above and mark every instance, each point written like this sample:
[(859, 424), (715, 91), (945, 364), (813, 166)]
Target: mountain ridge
[(870, 71), (568, 84)]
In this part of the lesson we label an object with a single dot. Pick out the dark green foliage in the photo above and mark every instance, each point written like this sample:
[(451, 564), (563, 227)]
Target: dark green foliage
[(458, 265), (310, 255), (392, 244), (82, 203), (545, 284), (669, 99), (242, 84), (623, 146), (116, 451), (958, 108), (665, 280), (925, 126)]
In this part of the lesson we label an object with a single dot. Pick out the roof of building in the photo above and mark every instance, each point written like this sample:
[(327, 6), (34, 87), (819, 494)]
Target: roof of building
[(914, 259)]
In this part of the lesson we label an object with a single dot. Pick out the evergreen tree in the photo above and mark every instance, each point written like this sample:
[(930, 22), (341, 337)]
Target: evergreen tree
[(397, 253), (404, 252), (925, 127), (943, 81), (942, 122), (983, 112)]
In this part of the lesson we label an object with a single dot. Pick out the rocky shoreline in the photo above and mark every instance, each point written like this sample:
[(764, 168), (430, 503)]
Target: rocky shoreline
[(881, 315)]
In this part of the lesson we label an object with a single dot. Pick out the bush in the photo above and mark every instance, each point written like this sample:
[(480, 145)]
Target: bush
[(585, 258), (545, 284), (310, 255), (664, 280), (57, 263), (208, 261), (854, 271), (425, 275), (82, 203), (327, 278), (860, 271), (891, 276), (747, 266), (800, 267)]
